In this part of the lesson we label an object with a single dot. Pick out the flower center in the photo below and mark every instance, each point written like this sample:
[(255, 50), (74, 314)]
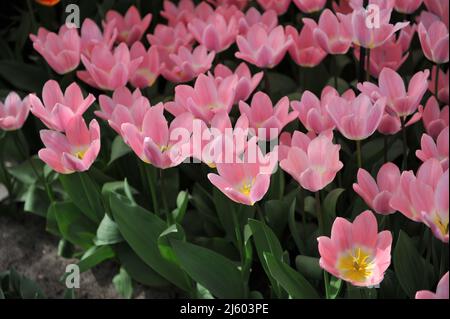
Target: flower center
[(149, 76), (441, 225), (246, 188), (356, 264), (80, 154)]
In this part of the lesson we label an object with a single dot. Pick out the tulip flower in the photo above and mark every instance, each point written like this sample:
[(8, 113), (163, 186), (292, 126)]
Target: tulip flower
[(434, 41), (310, 6), (357, 119), (312, 111), (441, 290), (342, 6), (205, 99), (246, 180), (246, 83), (407, 6), (216, 33), (377, 194), (56, 108), (74, 151), (434, 118), (91, 35), (130, 27), (48, 3), (148, 70), (312, 162), (157, 142), (268, 20), (279, 6), (356, 252), (241, 4), (305, 51), (391, 123), (123, 107), (187, 64), (443, 84), (175, 13), (431, 199), (108, 70), (263, 115), (330, 34), (169, 39), (392, 88), (262, 48), (438, 150), (13, 112), (369, 36), (61, 51), (439, 8)]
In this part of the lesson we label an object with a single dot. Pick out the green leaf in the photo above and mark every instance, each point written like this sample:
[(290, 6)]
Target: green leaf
[(141, 229), (123, 284), (412, 271), (329, 208), (138, 269), (73, 224), (36, 201), (213, 271), (85, 194), (94, 256), (334, 287), (29, 289), (182, 204), (118, 149), (266, 242), (294, 283), (25, 77), (309, 267), (24, 171), (107, 232)]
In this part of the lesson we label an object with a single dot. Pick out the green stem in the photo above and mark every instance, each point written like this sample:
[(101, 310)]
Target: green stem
[(368, 66), (385, 148), (164, 200), (239, 241), (152, 187), (4, 172), (335, 72), (358, 154), (404, 143), (436, 84), (320, 219), (260, 213), (266, 82)]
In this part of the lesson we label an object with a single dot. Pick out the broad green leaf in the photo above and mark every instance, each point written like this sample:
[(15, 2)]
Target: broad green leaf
[(141, 229), (85, 194), (107, 232), (294, 283), (309, 267), (23, 76), (182, 204), (94, 256), (24, 171), (213, 271), (412, 271), (329, 208), (118, 149), (123, 284)]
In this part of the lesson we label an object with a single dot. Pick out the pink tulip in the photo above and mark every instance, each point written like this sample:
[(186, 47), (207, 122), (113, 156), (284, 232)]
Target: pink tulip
[(246, 180), (434, 41), (357, 119), (441, 290), (312, 111), (443, 85), (241, 4), (91, 35), (305, 51), (439, 8), (381, 4), (405, 199), (182, 12), (74, 151), (407, 6), (169, 39), (108, 70), (205, 99), (216, 33), (263, 115), (246, 83), (130, 27), (220, 141), (434, 119), (438, 150), (13, 112), (279, 6), (312, 162), (377, 194), (356, 252), (310, 6), (330, 34), (187, 64), (268, 20), (150, 67), (342, 6), (61, 51), (157, 142), (262, 48), (391, 124), (57, 108), (392, 88), (123, 107), (370, 36)]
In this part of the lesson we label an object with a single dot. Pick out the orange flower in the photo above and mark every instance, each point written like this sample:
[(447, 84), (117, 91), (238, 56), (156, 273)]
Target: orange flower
[(48, 3)]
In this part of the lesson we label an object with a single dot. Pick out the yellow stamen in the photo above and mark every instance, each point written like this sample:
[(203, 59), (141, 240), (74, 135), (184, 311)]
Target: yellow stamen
[(80, 154), (246, 187), (441, 225), (356, 265)]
